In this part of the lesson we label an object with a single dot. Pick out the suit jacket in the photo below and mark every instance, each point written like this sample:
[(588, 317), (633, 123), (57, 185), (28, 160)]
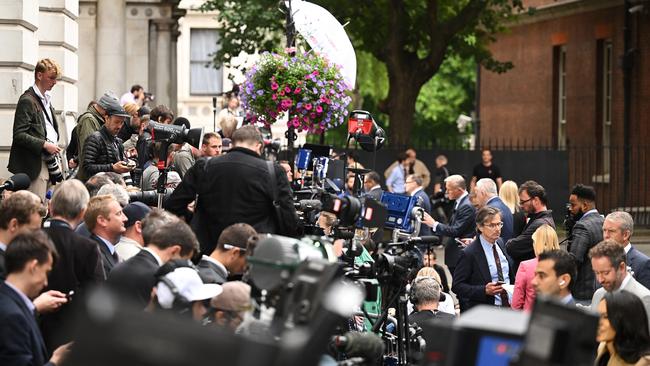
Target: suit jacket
[(211, 273), (461, 225), (78, 269), (375, 194), (506, 217), (3, 269), (640, 264), (21, 343), (521, 247), (134, 278), (632, 286), (586, 233), (108, 262), (524, 293), (29, 135), (472, 274)]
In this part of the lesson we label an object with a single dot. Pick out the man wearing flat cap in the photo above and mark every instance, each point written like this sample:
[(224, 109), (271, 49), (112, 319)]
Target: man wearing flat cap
[(103, 151)]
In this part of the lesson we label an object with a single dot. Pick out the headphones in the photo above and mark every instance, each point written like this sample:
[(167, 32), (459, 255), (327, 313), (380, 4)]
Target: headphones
[(412, 295), (180, 304)]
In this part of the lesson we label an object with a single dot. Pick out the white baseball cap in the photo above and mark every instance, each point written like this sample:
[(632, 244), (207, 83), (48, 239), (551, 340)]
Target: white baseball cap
[(189, 285)]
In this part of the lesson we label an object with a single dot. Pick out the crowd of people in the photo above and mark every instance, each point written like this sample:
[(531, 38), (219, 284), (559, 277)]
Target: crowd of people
[(61, 238)]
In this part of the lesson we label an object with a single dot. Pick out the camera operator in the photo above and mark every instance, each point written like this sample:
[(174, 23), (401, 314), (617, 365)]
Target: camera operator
[(236, 242), (236, 188), (425, 296), (584, 235)]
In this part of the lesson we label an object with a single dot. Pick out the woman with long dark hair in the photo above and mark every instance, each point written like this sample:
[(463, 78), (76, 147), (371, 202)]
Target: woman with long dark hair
[(622, 331)]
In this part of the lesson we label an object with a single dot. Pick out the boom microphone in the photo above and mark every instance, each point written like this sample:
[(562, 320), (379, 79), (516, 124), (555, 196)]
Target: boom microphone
[(16, 183), (356, 344)]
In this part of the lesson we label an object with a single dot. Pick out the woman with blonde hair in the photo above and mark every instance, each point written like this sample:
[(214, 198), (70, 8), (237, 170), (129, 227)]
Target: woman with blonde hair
[(509, 194), (544, 239)]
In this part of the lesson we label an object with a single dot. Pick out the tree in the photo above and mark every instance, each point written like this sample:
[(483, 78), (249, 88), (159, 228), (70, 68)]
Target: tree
[(411, 37)]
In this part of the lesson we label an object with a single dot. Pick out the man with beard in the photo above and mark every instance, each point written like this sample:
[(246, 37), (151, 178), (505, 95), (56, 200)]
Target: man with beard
[(585, 234)]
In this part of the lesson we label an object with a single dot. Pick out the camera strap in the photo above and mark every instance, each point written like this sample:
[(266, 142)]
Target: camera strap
[(274, 190)]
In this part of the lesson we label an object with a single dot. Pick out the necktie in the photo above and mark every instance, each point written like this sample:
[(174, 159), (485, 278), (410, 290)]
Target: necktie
[(117, 258), (503, 295)]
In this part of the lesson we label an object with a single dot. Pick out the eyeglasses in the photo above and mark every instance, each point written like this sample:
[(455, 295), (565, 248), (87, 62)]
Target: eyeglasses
[(228, 247), (522, 202), (494, 225)]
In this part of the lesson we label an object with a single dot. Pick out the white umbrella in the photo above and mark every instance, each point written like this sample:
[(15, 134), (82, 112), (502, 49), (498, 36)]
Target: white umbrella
[(326, 36)]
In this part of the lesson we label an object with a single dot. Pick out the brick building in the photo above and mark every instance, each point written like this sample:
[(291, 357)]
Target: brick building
[(574, 87)]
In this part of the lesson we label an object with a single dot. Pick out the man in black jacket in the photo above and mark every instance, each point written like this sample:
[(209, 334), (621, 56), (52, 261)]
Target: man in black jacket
[(234, 188), (78, 268), (103, 151), (585, 234), (532, 199), (166, 238)]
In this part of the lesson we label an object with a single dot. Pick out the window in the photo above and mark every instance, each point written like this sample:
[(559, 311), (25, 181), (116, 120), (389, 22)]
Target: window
[(204, 78), (606, 104)]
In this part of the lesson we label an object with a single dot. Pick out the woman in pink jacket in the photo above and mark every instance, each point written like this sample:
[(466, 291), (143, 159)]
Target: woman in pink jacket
[(544, 238)]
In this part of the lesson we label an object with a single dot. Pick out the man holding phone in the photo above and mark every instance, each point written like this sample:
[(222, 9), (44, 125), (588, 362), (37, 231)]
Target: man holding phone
[(103, 150), (484, 268)]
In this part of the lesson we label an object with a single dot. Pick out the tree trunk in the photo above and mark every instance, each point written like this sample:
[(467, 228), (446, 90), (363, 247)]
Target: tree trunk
[(405, 84)]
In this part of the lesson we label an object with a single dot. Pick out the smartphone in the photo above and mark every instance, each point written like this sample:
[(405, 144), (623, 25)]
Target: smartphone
[(460, 242), (500, 283)]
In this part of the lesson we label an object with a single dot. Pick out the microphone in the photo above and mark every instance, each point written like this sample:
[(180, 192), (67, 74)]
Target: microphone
[(16, 183), (214, 103), (308, 205), (356, 344), (426, 239)]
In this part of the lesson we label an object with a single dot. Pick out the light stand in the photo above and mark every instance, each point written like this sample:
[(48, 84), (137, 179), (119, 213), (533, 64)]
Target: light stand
[(162, 172)]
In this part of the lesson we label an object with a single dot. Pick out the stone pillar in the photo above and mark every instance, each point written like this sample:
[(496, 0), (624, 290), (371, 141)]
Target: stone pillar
[(111, 52), (163, 61)]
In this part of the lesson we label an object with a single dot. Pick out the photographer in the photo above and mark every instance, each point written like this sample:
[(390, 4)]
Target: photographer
[(233, 188)]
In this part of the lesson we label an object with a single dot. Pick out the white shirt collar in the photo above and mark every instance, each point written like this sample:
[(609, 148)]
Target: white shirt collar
[(491, 199), (160, 262), (3, 246), (215, 262), (416, 191), (109, 245), (626, 280), (377, 186), (30, 305), (460, 199), (627, 247), (45, 98)]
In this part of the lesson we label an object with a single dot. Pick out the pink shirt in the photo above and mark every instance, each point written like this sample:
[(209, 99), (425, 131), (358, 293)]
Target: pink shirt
[(524, 293)]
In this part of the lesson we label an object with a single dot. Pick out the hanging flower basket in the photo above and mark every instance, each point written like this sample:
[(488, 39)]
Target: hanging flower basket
[(306, 86)]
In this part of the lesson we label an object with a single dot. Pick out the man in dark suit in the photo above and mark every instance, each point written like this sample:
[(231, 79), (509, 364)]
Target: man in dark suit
[(372, 186), (29, 258), (585, 234), (236, 187), (554, 274), (461, 225), (36, 132), (413, 184), (619, 226), (20, 212), (166, 237), (78, 267), (487, 195), (425, 296), (105, 220), (235, 243), (484, 266), (532, 199)]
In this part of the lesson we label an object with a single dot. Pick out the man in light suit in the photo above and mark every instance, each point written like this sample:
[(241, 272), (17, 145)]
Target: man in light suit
[(487, 195), (618, 226), (610, 268), (105, 220), (29, 258), (462, 221), (484, 267)]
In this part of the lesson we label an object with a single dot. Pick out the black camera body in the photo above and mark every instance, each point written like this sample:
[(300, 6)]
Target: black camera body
[(53, 168)]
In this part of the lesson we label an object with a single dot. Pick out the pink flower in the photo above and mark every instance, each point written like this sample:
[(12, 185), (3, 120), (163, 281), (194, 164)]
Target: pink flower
[(295, 122), (281, 92), (274, 86), (312, 115), (287, 89), (308, 106), (316, 73), (274, 97), (319, 109), (297, 90)]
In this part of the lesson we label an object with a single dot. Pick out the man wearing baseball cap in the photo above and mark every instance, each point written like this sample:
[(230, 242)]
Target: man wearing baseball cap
[(231, 305), (183, 292), (103, 151)]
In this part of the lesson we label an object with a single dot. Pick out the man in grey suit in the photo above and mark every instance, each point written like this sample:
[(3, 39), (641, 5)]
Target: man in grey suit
[(618, 226), (585, 234), (608, 262), (372, 186)]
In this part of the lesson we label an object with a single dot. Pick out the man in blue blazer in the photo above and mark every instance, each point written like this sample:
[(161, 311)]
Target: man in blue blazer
[(618, 226), (413, 184), (461, 224), (484, 266), (487, 195), (29, 259)]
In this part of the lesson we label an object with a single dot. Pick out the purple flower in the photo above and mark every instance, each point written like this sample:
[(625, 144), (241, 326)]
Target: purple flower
[(260, 92)]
